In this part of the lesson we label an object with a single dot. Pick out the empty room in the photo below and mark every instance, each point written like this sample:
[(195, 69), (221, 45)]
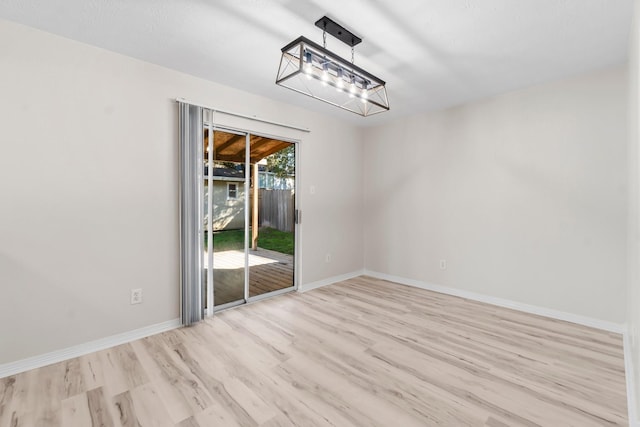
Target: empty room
[(319, 213)]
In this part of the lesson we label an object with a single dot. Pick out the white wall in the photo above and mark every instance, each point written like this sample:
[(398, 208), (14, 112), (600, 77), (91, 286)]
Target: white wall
[(524, 195), (89, 189), (633, 297)]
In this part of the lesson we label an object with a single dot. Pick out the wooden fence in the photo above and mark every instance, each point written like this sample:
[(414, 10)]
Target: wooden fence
[(276, 209)]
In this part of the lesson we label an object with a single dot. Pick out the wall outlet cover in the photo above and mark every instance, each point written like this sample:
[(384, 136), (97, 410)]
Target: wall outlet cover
[(136, 296)]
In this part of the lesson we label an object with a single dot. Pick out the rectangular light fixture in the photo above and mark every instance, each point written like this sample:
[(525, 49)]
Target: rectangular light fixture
[(313, 70)]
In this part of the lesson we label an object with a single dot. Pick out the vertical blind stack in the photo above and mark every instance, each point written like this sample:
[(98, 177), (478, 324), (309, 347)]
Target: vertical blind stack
[(191, 140)]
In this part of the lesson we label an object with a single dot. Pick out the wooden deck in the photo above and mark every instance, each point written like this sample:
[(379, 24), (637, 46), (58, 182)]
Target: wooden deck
[(268, 271)]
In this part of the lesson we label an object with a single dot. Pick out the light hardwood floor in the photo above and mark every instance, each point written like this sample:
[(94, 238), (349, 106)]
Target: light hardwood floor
[(359, 353)]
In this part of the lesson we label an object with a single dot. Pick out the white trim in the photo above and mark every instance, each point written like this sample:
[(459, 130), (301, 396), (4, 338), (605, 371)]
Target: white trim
[(247, 209), (244, 116), (275, 293), (248, 129), (329, 281), (209, 284), (297, 223), (228, 305), (34, 362), (515, 305), (634, 420)]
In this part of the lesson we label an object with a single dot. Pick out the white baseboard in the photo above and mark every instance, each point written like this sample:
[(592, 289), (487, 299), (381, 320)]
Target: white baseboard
[(527, 308), (634, 416), (23, 365), (329, 281)]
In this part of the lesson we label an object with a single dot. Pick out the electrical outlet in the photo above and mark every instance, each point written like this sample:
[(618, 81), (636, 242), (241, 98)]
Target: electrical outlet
[(443, 264), (136, 296), (327, 258), (312, 189)]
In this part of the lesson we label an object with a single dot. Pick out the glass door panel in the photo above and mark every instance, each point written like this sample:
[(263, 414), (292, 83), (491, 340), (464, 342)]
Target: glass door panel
[(225, 189), (272, 227)]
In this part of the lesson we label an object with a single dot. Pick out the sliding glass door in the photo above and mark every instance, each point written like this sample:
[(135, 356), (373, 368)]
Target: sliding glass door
[(249, 217)]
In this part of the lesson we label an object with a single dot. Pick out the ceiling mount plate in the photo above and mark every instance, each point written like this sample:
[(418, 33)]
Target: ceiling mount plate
[(338, 31)]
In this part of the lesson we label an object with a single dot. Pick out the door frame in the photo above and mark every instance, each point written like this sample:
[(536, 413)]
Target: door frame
[(209, 297)]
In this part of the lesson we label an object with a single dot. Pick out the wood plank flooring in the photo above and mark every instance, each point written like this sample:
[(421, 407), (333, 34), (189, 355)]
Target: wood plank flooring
[(359, 353)]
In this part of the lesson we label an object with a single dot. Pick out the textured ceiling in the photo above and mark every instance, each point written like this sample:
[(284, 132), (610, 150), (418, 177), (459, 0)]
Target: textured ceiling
[(433, 54)]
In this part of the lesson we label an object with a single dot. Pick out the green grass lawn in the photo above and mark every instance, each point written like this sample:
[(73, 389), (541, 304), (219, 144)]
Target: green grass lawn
[(276, 240), (268, 238)]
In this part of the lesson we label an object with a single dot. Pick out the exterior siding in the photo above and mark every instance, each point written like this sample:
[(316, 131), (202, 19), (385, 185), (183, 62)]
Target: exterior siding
[(228, 213)]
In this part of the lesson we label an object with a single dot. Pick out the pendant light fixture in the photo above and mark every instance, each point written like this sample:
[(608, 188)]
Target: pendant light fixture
[(313, 70)]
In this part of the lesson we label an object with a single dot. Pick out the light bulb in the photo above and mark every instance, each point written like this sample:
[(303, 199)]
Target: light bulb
[(325, 72), (308, 59), (352, 87), (365, 93), (339, 82)]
